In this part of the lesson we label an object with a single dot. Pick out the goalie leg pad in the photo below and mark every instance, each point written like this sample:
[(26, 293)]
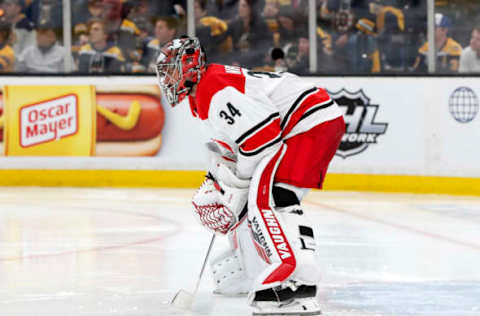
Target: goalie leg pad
[(302, 238), (229, 274), (291, 255), (235, 269), (297, 294), (277, 234)]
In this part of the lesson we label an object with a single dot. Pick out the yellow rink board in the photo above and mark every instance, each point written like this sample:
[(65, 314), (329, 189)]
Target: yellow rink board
[(193, 179)]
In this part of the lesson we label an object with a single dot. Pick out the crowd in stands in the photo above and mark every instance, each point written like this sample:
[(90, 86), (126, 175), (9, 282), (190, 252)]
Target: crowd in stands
[(353, 36)]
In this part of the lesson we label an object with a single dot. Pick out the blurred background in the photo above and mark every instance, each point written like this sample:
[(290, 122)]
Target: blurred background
[(322, 37), (80, 108)]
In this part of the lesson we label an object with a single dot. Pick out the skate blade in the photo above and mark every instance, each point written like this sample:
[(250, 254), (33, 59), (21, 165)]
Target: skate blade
[(298, 312), (183, 300), (230, 295), (314, 313)]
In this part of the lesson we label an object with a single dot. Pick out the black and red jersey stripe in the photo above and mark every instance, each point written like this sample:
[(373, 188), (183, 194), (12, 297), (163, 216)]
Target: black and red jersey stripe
[(305, 105), (263, 135)]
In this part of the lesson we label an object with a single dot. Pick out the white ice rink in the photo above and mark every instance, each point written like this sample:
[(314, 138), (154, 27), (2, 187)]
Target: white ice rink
[(103, 252)]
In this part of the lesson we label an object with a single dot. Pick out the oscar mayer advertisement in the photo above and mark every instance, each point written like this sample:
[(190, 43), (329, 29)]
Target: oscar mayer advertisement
[(80, 120)]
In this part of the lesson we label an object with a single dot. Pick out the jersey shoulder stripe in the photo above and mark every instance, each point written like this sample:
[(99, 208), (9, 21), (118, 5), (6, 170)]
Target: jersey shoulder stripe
[(263, 138), (216, 78), (256, 128), (315, 109), (261, 148), (309, 104), (295, 105)]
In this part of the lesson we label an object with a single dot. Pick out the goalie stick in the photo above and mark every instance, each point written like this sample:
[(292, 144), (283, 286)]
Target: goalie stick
[(184, 299)]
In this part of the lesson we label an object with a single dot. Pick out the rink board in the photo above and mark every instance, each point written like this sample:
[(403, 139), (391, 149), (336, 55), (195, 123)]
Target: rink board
[(405, 134), (193, 179)]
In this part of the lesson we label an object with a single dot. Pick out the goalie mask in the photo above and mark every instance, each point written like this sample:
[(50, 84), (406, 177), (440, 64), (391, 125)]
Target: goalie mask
[(180, 65)]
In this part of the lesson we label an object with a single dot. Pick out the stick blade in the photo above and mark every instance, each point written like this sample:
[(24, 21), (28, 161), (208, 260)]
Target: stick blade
[(183, 300)]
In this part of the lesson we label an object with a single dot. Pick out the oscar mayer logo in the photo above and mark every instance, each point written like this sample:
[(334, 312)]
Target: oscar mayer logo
[(48, 120)]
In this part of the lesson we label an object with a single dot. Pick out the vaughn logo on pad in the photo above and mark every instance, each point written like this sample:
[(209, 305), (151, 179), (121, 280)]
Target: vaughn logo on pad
[(48, 120), (362, 129)]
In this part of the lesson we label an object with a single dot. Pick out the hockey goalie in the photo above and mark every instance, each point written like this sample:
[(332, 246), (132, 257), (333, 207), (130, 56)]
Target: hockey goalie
[(273, 136)]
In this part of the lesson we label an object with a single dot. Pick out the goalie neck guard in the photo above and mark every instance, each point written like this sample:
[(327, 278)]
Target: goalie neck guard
[(180, 65)]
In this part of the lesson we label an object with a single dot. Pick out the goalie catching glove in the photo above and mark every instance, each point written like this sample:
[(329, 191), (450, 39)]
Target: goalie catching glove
[(217, 205)]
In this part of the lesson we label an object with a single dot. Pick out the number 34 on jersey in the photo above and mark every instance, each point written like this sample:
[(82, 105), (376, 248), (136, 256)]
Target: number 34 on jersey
[(229, 113)]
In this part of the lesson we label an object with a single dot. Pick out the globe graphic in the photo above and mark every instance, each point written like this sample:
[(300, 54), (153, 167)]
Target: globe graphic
[(463, 104)]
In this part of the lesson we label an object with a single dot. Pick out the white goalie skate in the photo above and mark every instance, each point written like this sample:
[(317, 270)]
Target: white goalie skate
[(294, 307), (290, 300)]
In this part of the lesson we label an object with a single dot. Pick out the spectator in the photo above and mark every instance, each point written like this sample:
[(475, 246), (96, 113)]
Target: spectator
[(390, 27), (415, 12), (168, 7), (43, 11), (211, 31), (165, 30), (448, 51), (7, 55), (46, 56), (461, 13), (80, 38), (100, 56), (362, 49), (86, 11), (341, 35), (298, 54), (270, 14), (470, 58), (354, 46), (140, 10), (128, 37), (145, 29), (297, 58), (300, 7), (328, 8), (113, 15), (23, 29), (225, 10), (287, 27), (251, 37)]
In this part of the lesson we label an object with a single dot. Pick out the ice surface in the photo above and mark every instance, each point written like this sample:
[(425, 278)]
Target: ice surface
[(66, 251)]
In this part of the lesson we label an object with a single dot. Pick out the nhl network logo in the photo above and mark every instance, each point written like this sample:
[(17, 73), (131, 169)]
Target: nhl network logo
[(359, 115)]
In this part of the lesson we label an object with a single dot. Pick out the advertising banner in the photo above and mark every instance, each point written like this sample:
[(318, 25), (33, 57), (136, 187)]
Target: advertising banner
[(130, 120), (49, 121), (407, 126), (407, 134), (395, 125), (81, 120)]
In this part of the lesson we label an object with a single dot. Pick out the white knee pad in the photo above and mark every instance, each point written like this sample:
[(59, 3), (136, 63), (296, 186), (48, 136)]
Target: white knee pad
[(231, 270), (300, 233)]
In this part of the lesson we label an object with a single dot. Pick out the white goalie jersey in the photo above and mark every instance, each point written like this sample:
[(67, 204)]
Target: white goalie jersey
[(252, 116), (254, 111)]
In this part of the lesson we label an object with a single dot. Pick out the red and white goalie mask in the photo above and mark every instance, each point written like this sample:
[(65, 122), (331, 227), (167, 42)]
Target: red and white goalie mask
[(180, 65)]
